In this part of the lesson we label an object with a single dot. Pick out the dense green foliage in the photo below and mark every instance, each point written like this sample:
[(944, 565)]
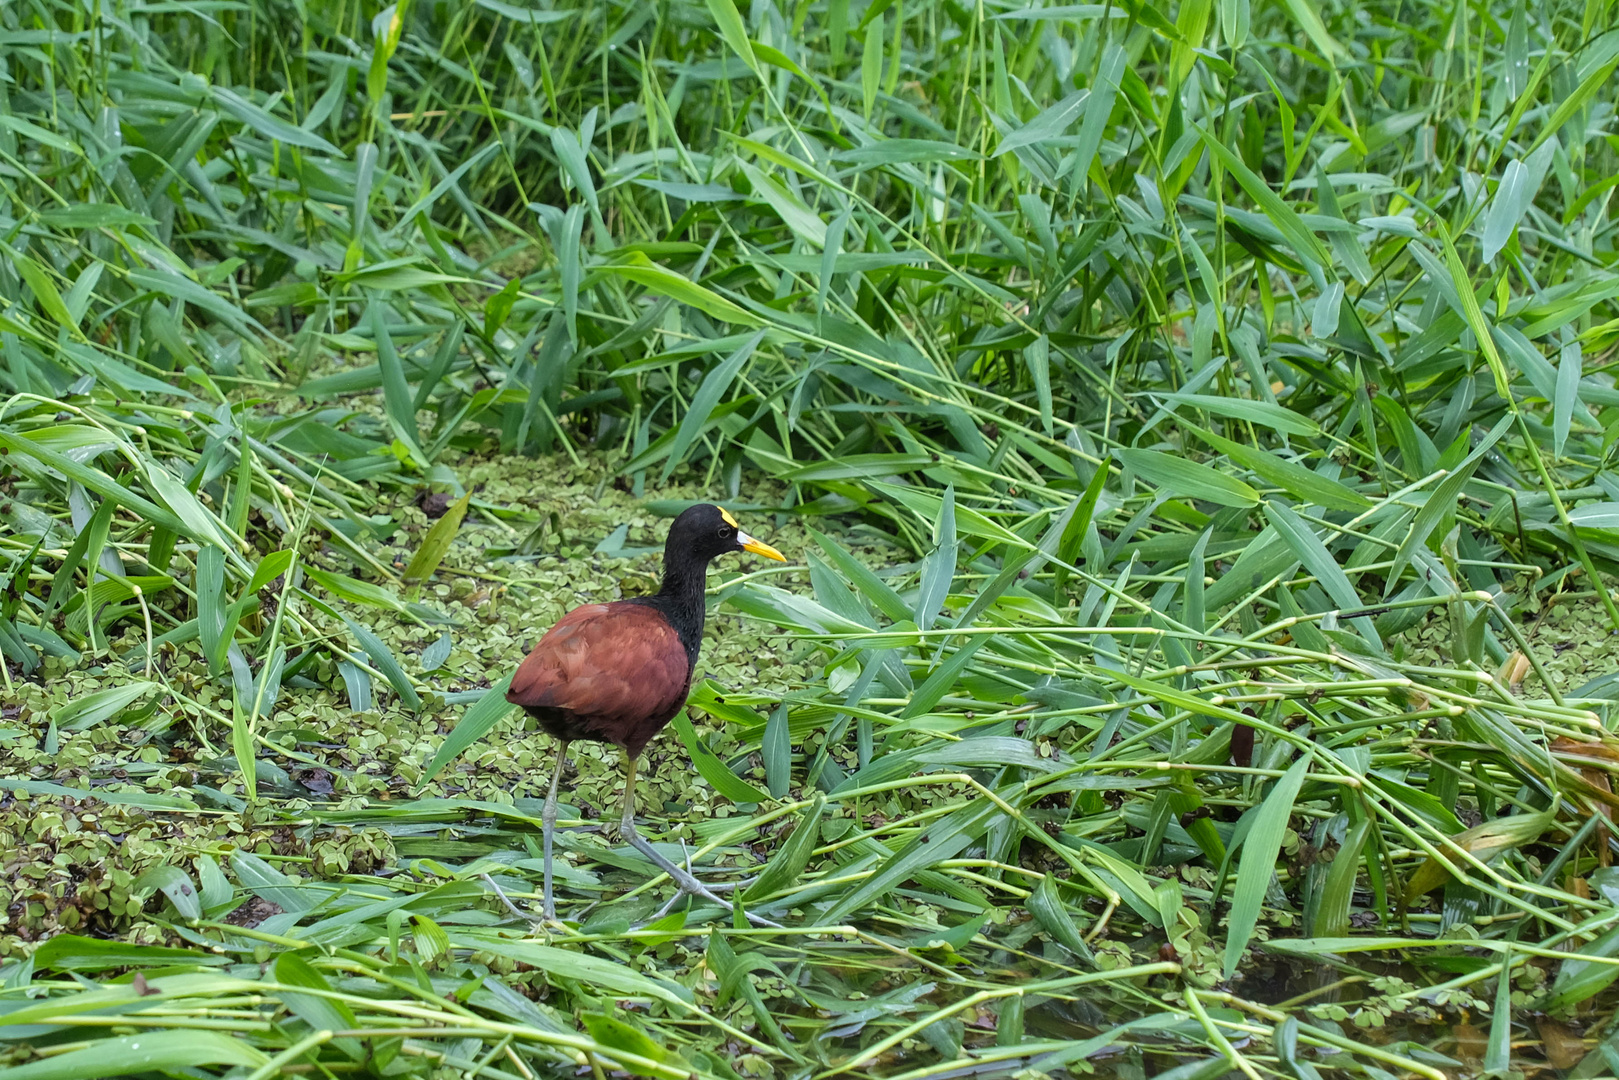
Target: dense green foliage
[(1191, 420)]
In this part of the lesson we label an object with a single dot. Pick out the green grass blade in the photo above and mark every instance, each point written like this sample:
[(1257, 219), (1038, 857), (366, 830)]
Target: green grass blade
[(436, 543), (321, 1011), (1320, 563), (715, 384), (396, 393), (868, 584), (734, 33), (665, 282), (162, 1051), (1257, 863), (1338, 892), (385, 662), (777, 752), (712, 769), (939, 567), (1442, 502), (1188, 479), (939, 842), (1282, 216), (787, 865), (485, 713)]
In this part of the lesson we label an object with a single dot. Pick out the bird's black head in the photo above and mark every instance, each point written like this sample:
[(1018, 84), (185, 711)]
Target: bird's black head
[(705, 531), (696, 537)]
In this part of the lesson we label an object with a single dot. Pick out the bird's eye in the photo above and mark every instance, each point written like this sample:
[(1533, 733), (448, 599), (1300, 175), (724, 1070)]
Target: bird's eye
[(725, 532)]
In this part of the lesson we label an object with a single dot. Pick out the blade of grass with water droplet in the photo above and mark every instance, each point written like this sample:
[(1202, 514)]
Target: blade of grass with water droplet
[(168, 1052)]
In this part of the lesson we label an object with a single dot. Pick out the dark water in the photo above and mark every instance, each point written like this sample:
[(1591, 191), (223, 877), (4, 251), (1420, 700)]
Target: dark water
[(1453, 1039)]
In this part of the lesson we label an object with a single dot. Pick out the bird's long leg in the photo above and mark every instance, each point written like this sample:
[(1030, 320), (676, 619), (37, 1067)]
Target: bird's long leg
[(679, 876), (548, 819)]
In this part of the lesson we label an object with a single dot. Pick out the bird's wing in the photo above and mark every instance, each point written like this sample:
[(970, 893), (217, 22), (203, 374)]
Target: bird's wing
[(614, 661)]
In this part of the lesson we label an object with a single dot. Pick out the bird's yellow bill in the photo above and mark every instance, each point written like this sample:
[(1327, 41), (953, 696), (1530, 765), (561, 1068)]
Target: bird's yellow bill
[(758, 547)]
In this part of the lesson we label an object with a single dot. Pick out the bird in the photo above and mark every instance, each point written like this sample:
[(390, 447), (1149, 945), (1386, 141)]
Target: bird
[(618, 672)]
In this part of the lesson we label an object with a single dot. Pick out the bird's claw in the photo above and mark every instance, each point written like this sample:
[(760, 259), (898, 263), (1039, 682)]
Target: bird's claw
[(548, 917), (717, 887), (686, 883), (689, 885)]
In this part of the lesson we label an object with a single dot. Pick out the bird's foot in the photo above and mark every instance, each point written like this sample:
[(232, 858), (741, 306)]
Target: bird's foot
[(689, 885), (715, 887), (548, 919)]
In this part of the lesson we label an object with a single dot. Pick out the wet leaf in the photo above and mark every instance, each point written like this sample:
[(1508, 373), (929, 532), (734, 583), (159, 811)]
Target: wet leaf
[(1484, 842)]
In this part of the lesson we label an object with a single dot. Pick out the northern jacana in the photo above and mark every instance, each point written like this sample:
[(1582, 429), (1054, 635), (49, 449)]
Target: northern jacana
[(618, 672)]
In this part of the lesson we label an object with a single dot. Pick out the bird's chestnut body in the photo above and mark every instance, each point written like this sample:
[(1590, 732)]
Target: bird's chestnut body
[(614, 673)]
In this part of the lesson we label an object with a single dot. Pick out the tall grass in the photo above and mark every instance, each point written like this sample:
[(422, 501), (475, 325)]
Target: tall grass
[(1230, 380)]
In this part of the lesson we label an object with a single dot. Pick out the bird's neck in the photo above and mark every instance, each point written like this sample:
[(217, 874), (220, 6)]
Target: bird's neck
[(681, 600)]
